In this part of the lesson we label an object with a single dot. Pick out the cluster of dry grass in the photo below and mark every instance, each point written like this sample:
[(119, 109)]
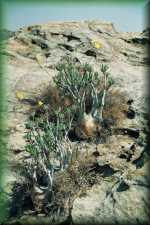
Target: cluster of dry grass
[(80, 175), (115, 107)]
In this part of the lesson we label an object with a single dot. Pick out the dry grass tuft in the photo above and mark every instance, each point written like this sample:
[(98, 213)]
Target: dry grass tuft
[(115, 107), (73, 182)]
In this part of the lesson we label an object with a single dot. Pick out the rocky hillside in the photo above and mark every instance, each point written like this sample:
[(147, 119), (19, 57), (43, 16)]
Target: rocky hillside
[(31, 55)]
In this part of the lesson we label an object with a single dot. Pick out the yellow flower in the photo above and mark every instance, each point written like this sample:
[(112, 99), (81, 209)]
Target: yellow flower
[(19, 95), (40, 103), (96, 44)]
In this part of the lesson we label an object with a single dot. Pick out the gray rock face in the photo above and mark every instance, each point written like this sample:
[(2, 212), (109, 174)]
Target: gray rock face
[(123, 196), (114, 202)]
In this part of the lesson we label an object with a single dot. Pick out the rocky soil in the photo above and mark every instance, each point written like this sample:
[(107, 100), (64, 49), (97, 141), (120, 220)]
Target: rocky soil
[(122, 194)]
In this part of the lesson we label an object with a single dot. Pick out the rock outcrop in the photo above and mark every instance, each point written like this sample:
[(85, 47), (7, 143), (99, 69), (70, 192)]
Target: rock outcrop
[(122, 196)]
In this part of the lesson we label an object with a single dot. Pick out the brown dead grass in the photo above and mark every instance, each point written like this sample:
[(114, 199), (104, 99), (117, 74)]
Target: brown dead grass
[(74, 181), (115, 107), (55, 100), (114, 112)]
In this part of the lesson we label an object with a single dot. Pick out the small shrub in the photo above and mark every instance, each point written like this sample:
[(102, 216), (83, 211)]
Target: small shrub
[(85, 88), (82, 101), (47, 141)]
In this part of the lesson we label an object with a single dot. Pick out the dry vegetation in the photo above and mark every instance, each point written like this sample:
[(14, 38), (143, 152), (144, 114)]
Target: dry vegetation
[(82, 105)]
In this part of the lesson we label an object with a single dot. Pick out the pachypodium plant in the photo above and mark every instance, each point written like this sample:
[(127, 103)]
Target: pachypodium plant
[(47, 140), (84, 85)]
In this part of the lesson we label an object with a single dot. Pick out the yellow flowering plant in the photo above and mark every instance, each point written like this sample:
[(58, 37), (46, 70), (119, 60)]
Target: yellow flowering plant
[(40, 103), (96, 44), (20, 95)]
